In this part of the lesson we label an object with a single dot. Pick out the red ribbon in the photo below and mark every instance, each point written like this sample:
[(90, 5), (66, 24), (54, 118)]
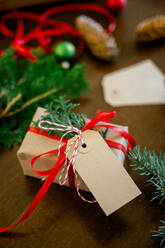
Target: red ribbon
[(46, 27), (52, 173)]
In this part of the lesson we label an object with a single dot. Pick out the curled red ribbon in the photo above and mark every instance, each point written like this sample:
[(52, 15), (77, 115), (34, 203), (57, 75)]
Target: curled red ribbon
[(47, 27), (52, 173)]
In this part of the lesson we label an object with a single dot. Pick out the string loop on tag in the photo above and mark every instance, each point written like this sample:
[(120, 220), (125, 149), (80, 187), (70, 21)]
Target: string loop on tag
[(66, 166)]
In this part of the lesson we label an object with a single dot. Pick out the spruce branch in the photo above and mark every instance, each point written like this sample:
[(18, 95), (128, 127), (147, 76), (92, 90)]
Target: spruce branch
[(152, 165), (160, 233)]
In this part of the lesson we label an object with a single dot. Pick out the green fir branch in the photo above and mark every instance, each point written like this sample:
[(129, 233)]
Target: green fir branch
[(60, 111), (152, 165), (25, 85), (160, 234)]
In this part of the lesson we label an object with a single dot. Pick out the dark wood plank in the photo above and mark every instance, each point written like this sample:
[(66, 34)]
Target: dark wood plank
[(62, 219)]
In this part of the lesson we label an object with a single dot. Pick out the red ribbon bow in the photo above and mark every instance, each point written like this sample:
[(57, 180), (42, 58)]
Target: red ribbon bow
[(52, 173)]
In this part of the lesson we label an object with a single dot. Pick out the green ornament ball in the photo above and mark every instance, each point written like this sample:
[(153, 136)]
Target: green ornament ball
[(65, 50)]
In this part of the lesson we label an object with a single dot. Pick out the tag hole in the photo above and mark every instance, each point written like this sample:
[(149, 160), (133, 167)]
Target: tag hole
[(115, 92), (84, 145)]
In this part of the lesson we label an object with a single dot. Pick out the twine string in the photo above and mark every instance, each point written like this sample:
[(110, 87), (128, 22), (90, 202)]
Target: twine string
[(63, 177)]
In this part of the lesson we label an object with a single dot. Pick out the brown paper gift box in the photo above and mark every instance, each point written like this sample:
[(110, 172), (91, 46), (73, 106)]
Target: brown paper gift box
[(34, 144)]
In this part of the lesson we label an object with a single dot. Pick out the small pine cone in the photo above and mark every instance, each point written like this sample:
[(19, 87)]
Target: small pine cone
[(151, 29), (102, 45)]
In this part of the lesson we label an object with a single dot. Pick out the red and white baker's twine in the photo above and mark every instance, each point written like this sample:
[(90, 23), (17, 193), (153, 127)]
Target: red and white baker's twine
[(78, 139)]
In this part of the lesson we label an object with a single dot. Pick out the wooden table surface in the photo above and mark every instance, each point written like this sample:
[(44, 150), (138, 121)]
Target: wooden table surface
[(62, 219)]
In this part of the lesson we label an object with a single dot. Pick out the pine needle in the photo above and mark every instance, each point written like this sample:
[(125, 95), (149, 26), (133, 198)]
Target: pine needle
[(60, 111), (25, 85), (153, 166)]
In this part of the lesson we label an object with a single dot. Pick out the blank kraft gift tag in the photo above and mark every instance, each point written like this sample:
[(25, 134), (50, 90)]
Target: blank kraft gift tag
[(139, 84), (103, 174)]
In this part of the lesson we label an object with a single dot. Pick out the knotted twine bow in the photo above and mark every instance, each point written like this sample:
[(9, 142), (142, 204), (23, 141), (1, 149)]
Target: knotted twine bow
[(52, 173), (76, 142)]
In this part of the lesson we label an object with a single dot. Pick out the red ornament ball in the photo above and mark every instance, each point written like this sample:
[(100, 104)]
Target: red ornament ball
[(116, 5)]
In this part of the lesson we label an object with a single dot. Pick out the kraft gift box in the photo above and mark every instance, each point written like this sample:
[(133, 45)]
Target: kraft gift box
[(34, 144)]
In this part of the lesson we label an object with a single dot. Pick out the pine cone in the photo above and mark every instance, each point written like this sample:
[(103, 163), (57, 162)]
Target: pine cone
[(151, 29), (102, 45)]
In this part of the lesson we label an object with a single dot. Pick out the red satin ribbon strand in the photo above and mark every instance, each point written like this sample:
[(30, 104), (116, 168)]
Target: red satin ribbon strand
[(20, 29), (116, 145), (16, 14), (40, 193), (101, 116), (122, 132), (44, 133), (62, 149), (45, 172), (79, 6), (24, 51), (105, 116), (65, 27), (36, 33), (71, 177), (53, 27)]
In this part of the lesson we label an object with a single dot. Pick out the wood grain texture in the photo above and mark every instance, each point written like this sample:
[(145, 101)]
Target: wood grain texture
[(62, 219), (9, 4)]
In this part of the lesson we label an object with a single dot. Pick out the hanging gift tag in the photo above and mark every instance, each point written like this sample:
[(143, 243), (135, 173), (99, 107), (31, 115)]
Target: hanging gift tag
[(103, 174)]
